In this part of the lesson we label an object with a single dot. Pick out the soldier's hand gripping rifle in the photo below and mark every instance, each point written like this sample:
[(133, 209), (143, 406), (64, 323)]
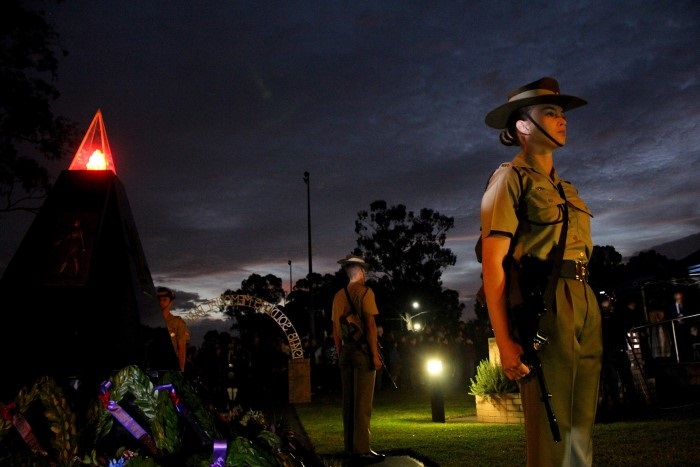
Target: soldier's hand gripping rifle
[(525, 319), (532, 360)]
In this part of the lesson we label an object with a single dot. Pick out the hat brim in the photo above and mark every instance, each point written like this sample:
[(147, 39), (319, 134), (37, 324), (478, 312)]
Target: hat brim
[(498, 117), (345, 263)]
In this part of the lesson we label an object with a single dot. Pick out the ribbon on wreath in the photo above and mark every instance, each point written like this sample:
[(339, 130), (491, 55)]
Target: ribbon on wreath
[(182, 409), (23, 427), (125, 419), (219, 455)]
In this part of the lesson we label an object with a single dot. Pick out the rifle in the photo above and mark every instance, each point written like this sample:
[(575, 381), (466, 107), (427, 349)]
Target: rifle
[(381, 357), (525, 320), (531, 359)]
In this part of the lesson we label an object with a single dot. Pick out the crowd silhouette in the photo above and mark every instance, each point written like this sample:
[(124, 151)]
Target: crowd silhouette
[(251, 370)]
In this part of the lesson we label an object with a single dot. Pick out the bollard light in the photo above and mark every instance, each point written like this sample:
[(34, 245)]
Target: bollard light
[(437, 399), (435, 367)]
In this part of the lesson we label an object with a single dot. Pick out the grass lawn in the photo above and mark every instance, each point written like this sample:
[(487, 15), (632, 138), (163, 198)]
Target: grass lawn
[(401, 424)]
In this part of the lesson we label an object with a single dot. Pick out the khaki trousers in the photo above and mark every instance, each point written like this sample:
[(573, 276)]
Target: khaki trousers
[(571, 363), (357, 377)]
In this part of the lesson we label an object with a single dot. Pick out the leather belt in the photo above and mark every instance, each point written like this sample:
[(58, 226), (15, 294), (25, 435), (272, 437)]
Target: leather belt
[(571, 269)]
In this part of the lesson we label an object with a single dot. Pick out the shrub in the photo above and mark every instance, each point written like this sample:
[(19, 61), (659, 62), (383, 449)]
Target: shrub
[(490, 380)]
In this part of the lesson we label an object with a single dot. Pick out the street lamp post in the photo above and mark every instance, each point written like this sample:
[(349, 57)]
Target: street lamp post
[(308, 215), (289, 262), (312, 328), (408, 318)]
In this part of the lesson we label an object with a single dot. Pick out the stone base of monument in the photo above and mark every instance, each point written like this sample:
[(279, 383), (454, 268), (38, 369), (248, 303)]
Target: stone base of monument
[(299, 371)]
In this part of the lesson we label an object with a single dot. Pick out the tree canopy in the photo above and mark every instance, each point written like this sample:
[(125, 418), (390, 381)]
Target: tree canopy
[(407, 254), (29, 130), (268, 287)]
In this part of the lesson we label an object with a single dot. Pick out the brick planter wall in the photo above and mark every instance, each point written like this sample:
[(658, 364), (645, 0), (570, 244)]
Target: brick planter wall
[(502, 408)]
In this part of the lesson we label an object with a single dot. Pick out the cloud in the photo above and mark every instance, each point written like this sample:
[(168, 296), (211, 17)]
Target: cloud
[(214, 112)]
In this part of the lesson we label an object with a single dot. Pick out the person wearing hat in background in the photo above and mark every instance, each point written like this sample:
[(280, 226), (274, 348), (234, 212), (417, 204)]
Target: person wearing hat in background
[(533, 119), (355, 338), (177, 328)]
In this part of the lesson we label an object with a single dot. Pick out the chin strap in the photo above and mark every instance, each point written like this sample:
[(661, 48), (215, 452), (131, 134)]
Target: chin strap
[(529, 117)]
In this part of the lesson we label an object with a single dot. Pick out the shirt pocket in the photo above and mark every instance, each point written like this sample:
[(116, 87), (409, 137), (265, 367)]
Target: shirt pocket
[(545, 206), (575, 200)]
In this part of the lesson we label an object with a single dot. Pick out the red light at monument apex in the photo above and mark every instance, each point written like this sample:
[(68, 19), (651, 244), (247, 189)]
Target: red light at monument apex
[(94, 152)]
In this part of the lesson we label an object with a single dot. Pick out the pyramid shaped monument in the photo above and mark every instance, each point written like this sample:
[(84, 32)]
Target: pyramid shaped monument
[(78, 300)]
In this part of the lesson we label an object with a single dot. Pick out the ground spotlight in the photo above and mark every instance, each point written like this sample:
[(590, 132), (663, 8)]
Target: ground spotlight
[(437, 399)]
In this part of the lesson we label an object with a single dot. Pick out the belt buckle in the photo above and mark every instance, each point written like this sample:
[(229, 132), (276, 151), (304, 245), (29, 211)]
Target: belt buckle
[(581, 271)]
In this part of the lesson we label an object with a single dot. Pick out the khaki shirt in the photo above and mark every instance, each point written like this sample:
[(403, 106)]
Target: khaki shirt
[(177, 328), (538, 235), (363, 298)]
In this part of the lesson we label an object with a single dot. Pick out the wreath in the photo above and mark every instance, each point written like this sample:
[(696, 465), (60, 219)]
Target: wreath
[(58, 414)]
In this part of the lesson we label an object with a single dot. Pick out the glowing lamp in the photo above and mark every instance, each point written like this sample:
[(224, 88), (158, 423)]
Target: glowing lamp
[(434, 367), (94, 152), (437, 398)]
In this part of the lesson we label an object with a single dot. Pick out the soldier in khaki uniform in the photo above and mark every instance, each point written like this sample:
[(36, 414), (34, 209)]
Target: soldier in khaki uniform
[(522, 214), (355, 338), (177, 328)]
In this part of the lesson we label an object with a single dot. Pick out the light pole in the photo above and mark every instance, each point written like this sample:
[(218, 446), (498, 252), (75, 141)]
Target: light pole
[(312, 328), (289, 262), (408, 318), (308, 216)]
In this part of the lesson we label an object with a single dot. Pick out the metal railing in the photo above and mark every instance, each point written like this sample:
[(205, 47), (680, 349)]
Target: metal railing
[(673, 339)]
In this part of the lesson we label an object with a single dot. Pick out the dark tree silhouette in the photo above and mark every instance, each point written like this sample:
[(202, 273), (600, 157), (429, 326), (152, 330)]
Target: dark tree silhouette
[(29, 131), (244, 319), (268, 288), (324, 288), (650, 264), (606, 267), (407, 255)]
